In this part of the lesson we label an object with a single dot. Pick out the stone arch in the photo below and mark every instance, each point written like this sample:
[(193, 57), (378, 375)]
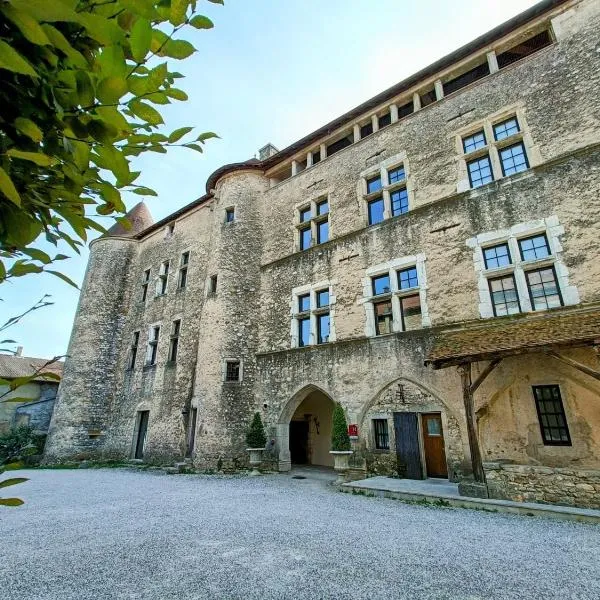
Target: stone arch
[(282, 428)]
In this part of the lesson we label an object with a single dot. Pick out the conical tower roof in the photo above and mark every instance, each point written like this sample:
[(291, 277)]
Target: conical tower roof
[(139, 217)]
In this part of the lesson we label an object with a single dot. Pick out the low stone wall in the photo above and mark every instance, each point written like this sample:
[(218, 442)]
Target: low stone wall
[(526, 483)]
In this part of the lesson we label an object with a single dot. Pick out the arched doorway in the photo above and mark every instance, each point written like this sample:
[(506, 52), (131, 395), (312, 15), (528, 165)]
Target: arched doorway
[(304, 429)]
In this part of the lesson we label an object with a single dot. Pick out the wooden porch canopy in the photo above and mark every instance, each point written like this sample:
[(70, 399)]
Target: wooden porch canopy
[(510, 336)]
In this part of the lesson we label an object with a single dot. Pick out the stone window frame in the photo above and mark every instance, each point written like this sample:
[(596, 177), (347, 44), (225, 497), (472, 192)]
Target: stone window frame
[(493, 147), (391, 268), (551, 227), (169, 230), (162, 279), (150, 342), (311, 289), (212, 285), (229, 360), (174, 338), (145, 285), (313, 222), (373, 433), (565, 413), (134, 348), (183, 267), (382, 170), (229, 210)]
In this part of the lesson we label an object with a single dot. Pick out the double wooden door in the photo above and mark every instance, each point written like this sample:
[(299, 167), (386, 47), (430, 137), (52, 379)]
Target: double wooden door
[(410, 454)]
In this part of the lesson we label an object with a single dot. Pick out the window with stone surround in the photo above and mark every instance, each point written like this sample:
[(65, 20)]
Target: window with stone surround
[(174, 340), (152, 346), (230, 214), (496, 147), (232, 370), (520, 269), (551, 415), (133, 350), (163, 279), (386, 190), (145, 284), (312, 223), (183, 270), (312, 311), (395, 296), (381, 435)]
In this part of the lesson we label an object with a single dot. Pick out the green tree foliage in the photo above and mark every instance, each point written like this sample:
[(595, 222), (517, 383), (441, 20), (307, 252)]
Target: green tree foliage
[(256, 437), (340, 440), (81, 85)]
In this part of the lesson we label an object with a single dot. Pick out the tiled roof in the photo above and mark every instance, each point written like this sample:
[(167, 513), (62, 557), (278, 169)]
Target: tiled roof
[(23, 366), (139, 218), (515, 335)]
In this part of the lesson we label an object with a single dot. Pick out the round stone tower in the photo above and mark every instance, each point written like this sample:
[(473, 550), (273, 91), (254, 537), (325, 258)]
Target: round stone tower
[(84, 399)]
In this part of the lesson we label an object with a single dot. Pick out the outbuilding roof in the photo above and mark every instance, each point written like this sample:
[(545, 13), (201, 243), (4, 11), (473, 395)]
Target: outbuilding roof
[(12, 367)]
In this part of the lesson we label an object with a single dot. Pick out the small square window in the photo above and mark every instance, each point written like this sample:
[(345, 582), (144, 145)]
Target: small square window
[(304, 303), (305, 214), (305, 239), (513, 159), (534, 247), (322, 208), (551, 415), (381, 285), (407, 278), (496, 256), (375, 209), (373, 184), (399, 200), (543, 289), (304, 332), (505, 299), (322, 232), (480, 171), (474, 142), (506, 128), (396, 175), (322, 298), (382, 438), (229, 215), (232, 370)]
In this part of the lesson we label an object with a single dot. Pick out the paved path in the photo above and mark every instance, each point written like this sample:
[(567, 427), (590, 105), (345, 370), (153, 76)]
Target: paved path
[(120, 534)]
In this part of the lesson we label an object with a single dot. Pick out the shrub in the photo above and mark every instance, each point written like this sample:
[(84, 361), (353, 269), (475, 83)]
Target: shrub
[(340, 440), (20, 442), (256, 437)]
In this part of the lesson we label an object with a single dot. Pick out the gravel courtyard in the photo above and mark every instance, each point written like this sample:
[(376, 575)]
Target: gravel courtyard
[(127, 534)]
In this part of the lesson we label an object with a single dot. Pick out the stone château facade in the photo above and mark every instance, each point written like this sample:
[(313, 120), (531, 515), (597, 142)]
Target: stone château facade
[(429, 260)]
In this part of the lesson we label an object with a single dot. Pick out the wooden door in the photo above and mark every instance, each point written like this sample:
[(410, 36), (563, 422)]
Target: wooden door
[(142, 429), (299, 442), (408, 449), (433, 444)]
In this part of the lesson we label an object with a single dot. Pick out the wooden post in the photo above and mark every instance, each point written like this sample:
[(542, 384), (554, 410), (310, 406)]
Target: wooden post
[(465, 374)]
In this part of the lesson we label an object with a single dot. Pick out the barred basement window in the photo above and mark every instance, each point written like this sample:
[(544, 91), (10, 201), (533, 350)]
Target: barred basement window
[(232, 370), (174, 341), (183, 270), (382, 438), (551, 415), (145, 284), (133, 350)]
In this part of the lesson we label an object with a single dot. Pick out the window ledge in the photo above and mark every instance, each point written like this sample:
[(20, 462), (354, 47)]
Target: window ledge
[(171, 364), (149, 367)]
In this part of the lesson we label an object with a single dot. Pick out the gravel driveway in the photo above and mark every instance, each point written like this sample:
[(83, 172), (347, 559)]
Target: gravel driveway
[(126, 534)]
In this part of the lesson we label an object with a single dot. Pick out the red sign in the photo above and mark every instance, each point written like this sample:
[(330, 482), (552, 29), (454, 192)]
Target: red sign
[(353, 430)]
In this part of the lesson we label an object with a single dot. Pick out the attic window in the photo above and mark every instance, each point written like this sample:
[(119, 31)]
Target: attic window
[(366, 130), (316, 157), (465, 79), (169, 230), (428, 97), (405, 110), (340, 144), (525, 48), (384, 120)]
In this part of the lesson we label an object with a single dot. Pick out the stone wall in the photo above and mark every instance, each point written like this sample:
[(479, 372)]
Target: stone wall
[(525, 483)]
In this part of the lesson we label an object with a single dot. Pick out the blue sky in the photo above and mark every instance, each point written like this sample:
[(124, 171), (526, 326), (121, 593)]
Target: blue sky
[(270, 71)]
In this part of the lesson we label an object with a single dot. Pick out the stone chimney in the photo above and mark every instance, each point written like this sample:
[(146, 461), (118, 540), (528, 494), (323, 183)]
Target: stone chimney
[(19, 351), (267, 151)]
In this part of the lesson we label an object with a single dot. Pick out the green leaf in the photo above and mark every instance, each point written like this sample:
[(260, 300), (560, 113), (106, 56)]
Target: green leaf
[(11, 502), (176, 94), (12, 481), (143, 8), (103, 132), (145, 112), (201, 22), (194, 147), (20, 268), (103, 30), (178, 49), (158, 39), (37, 255), (178, 134), (111, 89), (8, 189), (141, 38), (144, 191), (217, 1), (29, 128), (157, 98), (85, 89), (112, 62), (124, 221), (178, 10), (206, 136), (38, 158), (28, 26), (63, 277), (111, 115), (58, 40), (11, 60), (43, 10)]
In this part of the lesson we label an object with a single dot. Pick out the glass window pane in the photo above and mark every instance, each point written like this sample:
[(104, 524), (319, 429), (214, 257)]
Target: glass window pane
[(304, 332), (411, 312), (396, 175), (407, 278), (543, 289), (434, 426), (383, 317), (496, 256), (513, 159), (303, 302), (381, 285), (473, 142), (322, 298), (305, 238), (506, 128), (505, 299), (552, 419), (534, 247), (323, 208), (373, 184), (399, 200), (305, 214), (376, 208), (323, 329), (480, 171), (322, 232)]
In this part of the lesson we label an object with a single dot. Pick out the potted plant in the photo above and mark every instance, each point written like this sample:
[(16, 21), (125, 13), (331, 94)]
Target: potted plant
[(256, 441), (340, 442)]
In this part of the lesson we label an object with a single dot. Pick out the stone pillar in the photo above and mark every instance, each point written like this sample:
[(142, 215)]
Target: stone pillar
[(323, 151), (416, 102), (394, 112), (309, 161), (492, 62), (375, 123), (283, 444), (356, 132), (294, 167), (439, 89)]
